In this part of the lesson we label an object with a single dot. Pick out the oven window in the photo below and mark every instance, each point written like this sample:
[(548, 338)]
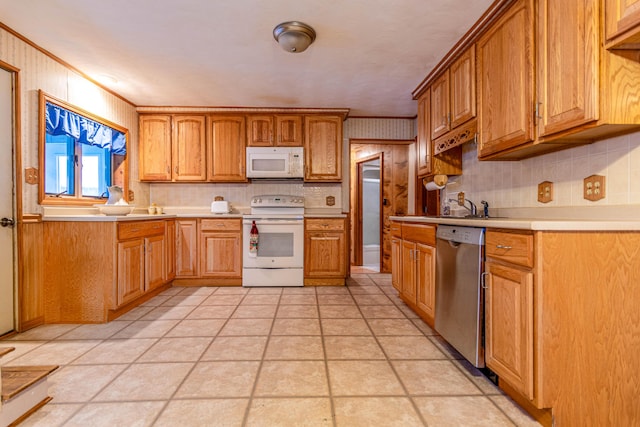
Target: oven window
[(275, 245), (268, 165)]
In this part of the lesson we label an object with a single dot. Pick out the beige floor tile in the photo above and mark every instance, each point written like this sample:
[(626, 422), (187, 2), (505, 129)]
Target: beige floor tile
[(477, 377), (231, 290), (292, 378), (146, 381), (296, 327), (410, 347), (266, 291), (298, 311), (301, 299), (261, 299), (212, 312), (344, 327), (236, 348), (255, 311), (51, 414), (363, 378), (365, 290), (147, 329), (294, 348), (220, 379), (185, 300), (20, 348), (116, 351), (203, 413), (458, 411), (375, 411), (81, 383), (332, 290), (136, 313), (95, 331), (316, 412), (381, 312), (168, 312), (216, 299), (197, 328), (445, 347), (341, 348), (424, 328), (340, 312), (518, 415), (41, 333), (296, 290), (186, 349), (335, 299), (246, 327), (55, 353), (116, 414), (197, 290), (156, 301), (175, 290), (433, 377), (393, 327)]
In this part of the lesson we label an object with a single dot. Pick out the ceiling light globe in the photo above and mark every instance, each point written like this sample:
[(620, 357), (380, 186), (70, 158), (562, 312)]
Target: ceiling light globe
[(294, 36)]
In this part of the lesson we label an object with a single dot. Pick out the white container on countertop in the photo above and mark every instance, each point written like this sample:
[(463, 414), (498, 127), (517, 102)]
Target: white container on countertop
[(220, 207)]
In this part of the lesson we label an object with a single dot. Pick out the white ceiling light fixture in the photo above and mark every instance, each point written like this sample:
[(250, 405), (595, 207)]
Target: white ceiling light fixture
[(294, 36)]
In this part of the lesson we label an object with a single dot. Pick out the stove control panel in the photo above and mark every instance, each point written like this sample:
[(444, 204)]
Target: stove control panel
[(277, 201)]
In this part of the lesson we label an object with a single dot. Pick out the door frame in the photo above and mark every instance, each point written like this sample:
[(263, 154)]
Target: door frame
[(17, 187), (357, 235)]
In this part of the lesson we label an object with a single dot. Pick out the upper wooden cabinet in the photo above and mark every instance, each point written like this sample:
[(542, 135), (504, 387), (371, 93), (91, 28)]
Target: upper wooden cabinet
[(505, 81), (622, 23), (172, 148), (226, 146), (274, 130), (323, 148)]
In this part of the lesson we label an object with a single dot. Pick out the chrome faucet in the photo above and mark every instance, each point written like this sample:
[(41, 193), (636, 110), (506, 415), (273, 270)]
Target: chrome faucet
[(473, 209), (485, 205)]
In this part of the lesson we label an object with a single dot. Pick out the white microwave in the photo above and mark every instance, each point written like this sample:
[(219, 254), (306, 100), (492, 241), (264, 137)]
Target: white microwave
[(275, 162)]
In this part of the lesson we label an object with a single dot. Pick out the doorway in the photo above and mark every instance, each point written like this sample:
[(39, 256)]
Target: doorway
[(7, 205), (369, 190)]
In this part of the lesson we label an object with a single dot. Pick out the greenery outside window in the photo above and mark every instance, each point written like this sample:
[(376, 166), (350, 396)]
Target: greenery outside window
[(81, 155)]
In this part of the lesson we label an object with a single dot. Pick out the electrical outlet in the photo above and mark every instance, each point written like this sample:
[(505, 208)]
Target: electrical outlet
[(545, 191), (594, 188), (461, 198), (31, 175)]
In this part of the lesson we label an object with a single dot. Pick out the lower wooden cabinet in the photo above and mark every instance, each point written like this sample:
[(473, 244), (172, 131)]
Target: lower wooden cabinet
[(396, 255), (325, 251), (186, 248), (130, 283)]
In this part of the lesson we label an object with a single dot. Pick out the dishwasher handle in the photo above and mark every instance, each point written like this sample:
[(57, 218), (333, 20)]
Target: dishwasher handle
[(483, 280)]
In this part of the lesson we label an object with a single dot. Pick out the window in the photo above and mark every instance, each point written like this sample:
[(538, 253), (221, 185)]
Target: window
[(81, 155)]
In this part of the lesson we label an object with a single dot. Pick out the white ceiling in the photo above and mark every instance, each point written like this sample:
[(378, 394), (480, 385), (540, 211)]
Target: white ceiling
[(369, 55)]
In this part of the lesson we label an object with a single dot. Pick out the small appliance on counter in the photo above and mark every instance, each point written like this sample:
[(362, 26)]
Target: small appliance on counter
[(220, 206)]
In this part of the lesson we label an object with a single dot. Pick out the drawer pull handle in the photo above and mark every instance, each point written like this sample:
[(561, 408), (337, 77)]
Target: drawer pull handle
[(503, 247)]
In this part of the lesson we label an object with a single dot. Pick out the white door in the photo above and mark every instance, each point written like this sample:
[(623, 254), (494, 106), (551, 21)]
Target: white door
[(6, 203)]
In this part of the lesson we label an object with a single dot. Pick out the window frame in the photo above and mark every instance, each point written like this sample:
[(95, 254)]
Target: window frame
[(119, 163)]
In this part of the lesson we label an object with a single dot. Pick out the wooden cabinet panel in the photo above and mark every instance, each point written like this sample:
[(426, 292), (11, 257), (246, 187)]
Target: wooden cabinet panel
[(155, 148), (419, 233), (567, 65), (133, 229), (396, 263), (426, 279), (409, 286), (189, 153), (170, 250), (260, 130), (131, 274), (222, 224), (505, 81), (220, 254), (186, 248), (289, 131), (323, 148), (622, 23), (509, 325), (154, 262), (423, 141), (324, 224), (279, 130), (325, 254), (512, 247), (440, 107), (226, 148), (463, 88)]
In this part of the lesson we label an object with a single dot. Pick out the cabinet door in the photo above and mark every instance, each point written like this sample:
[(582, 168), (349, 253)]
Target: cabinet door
[(260, 131), (463, 88), (187, 248), (325, 254), (323, 148), (424, 134), (189, 154), (409, 271), (289, 131), (440, 108), (622, 16), (226, 145), (155, 148), (509, 325), (170, 251), (154, 262), (396, 263), (426, 279), (130, 271), (505, 82), (220, 255)]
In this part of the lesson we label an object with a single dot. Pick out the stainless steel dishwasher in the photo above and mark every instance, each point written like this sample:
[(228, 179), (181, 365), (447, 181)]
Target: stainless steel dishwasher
[(459, 295)]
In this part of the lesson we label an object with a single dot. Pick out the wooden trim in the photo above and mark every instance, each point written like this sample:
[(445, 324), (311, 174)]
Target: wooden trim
[(385, 117), (31, 218), (342, 112), (324, 282), (209, 281), (497, 8), (381, 141), (358, 256), (63, 62), (27, 414)]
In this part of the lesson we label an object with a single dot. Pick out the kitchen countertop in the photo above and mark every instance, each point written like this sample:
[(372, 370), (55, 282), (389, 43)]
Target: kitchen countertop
[(537, 224)]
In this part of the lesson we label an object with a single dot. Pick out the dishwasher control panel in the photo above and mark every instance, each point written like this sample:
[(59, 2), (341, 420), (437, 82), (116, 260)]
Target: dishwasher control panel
[(461, 234)]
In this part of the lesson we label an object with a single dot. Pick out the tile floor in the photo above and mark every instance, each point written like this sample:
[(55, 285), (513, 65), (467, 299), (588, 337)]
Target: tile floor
[(232, 356)]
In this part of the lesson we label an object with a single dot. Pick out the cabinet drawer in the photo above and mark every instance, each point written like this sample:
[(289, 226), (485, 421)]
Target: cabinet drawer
[(396, 229), (419, 233), (324, 224), (516, 248), (220, 224), (131, 230)]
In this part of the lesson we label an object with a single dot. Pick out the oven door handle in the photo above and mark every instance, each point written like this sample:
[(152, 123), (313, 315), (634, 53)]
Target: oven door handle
[(274, 222)]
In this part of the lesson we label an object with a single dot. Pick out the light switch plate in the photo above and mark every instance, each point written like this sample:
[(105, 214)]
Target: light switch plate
[(545, 191)]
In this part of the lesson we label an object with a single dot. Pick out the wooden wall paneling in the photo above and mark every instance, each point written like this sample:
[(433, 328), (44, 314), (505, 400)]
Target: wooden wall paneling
[(31, 267)]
